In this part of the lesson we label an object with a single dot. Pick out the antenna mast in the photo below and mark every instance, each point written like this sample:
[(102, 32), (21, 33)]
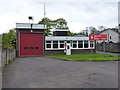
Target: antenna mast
[(44, 11), (44, 15)]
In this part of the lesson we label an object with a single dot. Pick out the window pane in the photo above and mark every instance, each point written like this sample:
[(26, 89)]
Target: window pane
[(74, 41), (61, 41), (80, 42), (80, 45), (26, 48), (55, 42), (55, 45), (74, 45), (85, 44), (48, 41), (48, 45), (36, 47), (61, 45), (31, 48), (91, 43), (110, 37), (68, 41)]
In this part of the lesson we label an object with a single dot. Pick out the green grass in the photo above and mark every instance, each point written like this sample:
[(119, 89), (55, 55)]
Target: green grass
[(87, 57)]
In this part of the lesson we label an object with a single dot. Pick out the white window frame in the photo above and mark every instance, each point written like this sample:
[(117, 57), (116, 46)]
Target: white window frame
[(82, 44), (61, 43), (48, 43), (71, 43), (57, 43), (75, 43), (88, 44)]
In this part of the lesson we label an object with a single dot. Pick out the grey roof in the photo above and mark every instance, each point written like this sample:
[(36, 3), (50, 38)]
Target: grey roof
[(106, 30)]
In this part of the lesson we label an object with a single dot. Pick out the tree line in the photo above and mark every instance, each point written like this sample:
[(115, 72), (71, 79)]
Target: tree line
[(9, 39)]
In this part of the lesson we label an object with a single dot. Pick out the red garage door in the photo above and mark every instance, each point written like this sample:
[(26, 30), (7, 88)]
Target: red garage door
[(31, 44)]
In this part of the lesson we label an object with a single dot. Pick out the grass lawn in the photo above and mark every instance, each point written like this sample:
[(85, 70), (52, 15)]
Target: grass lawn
[(87, 57)]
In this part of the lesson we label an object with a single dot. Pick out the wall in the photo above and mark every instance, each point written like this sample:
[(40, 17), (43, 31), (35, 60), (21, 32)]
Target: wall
[(0, 55), (74, 51), (7, 56), (109, 47)]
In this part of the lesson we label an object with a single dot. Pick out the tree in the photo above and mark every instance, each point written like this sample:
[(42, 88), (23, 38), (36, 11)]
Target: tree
[(93, 30), (60, 24), (114, 29), (48, 23), (70, 33), (8, 38), (53, 24), (101, 28)]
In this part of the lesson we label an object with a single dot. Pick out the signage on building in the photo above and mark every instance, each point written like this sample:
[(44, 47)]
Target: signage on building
[(97, 37)]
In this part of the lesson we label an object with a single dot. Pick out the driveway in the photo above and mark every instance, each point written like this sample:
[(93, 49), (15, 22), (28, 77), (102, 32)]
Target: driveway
[(44, 72), (109, 53)]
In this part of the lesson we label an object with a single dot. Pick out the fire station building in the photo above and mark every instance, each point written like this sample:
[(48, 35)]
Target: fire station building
[(31, 41)]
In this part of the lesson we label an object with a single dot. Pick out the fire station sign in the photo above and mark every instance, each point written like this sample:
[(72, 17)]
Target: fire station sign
[(97, 37)]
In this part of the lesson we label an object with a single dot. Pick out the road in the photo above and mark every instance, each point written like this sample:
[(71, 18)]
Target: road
[(44, 72)]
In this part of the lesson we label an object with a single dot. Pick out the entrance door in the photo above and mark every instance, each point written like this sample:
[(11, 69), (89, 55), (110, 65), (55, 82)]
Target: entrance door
[(31, 44), (68, 49)]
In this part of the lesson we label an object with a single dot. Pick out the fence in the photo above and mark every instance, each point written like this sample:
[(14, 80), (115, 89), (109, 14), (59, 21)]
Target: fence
[(108, 47), (7, 56)]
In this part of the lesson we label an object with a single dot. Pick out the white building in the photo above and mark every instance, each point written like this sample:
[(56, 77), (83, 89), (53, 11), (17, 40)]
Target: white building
[(62, 44), (112, 36)]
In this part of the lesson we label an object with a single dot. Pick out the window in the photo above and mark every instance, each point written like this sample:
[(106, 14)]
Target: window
[(91, 43), (36, 47), (55, 44), (110, 37), (85, 44), (74, 44), (61, 44), (48, 41), (48, 44), (80, 44), (68, 41), (26, 48), (31, 47)]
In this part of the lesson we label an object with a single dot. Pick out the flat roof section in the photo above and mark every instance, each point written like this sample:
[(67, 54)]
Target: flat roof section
[(65, 38), (28, 26)]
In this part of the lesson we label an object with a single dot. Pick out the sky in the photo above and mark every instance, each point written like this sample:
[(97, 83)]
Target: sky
[(79, 14)]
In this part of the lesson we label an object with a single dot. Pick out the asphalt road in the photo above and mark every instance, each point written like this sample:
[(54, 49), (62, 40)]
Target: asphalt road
[(44, 72)]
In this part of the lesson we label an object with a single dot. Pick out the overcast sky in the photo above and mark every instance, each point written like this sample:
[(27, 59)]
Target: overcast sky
[(78, 13)]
